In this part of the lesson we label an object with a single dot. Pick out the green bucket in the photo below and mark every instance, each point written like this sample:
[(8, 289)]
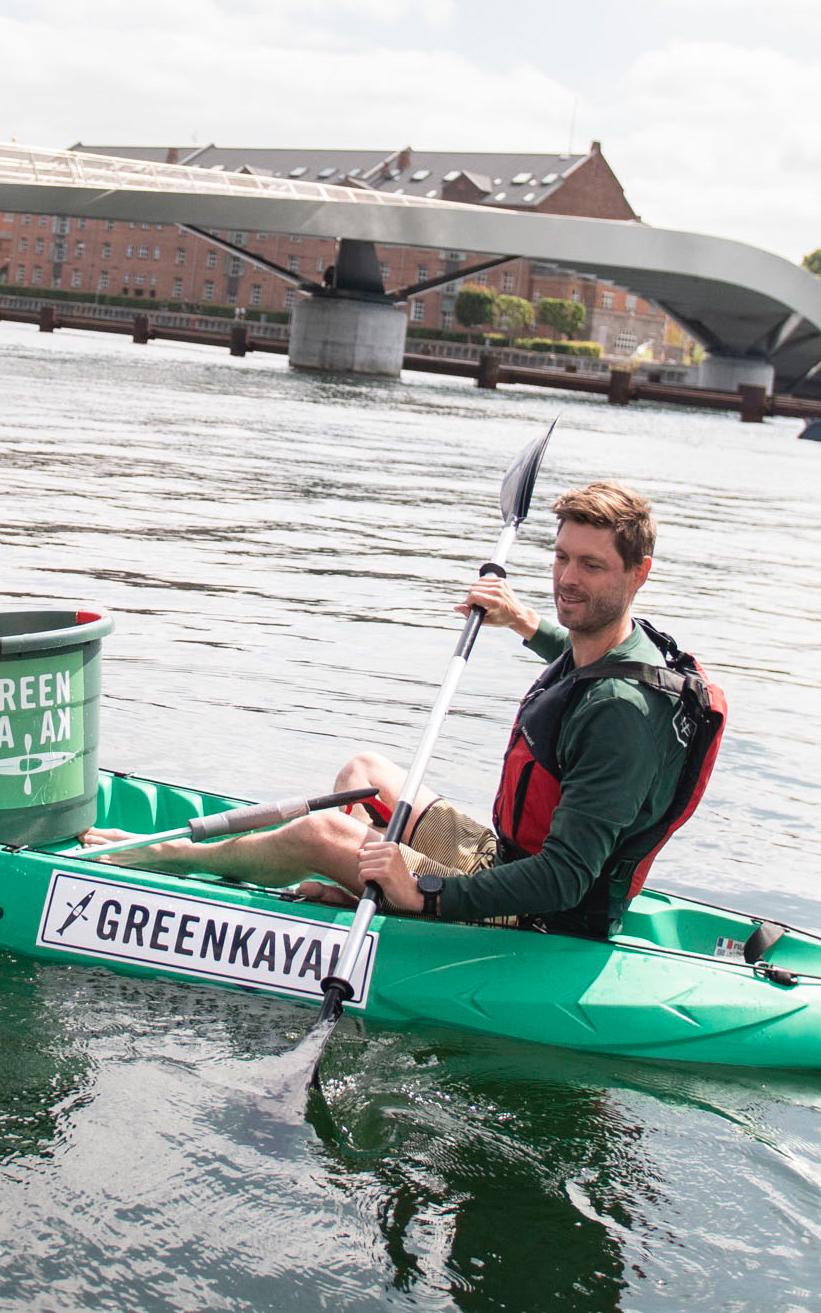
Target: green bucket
[(49, 723)]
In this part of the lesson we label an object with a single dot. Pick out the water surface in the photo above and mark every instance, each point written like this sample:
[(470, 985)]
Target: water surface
[(281, 555)]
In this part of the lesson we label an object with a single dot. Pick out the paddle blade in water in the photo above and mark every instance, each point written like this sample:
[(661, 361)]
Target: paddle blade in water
[(517, 485)]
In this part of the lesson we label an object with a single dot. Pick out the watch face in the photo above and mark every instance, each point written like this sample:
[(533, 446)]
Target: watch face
[(430, 884)]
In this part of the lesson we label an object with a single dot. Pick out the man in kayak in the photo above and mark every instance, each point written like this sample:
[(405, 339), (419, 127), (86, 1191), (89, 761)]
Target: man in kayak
[(592, 767)]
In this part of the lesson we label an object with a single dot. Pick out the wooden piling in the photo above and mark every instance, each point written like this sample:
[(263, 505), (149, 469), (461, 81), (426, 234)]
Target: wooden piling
[(140, 329), (753, 403), (238, 339), (489, 365), (620, 387)]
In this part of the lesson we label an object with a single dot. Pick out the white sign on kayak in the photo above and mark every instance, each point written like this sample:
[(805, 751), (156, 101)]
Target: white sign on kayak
[(218, 941)]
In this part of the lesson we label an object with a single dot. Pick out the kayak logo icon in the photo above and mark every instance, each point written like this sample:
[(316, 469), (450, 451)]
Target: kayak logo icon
[(42, 734), (112, 920), (33, 763)]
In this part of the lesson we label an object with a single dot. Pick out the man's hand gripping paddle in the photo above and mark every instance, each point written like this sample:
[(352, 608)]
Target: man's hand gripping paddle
[(515, 496)]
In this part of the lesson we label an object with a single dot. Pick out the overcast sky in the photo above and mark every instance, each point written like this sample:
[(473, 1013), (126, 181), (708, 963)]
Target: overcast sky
[(709, 111)]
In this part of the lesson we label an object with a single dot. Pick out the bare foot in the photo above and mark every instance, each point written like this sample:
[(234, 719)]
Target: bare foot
[(156, 857), (329, 894)]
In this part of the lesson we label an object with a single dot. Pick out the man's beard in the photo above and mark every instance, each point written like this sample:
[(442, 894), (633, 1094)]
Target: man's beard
[(595, 614)]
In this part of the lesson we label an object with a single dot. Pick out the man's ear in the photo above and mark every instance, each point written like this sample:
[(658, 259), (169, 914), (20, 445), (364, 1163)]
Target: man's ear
[(642, 571)]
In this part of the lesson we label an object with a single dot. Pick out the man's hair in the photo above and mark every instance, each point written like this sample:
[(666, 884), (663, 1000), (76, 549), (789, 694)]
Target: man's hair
[(608, 505)]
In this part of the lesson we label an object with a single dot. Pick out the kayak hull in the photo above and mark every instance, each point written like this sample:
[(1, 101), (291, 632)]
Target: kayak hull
[(671, 986)]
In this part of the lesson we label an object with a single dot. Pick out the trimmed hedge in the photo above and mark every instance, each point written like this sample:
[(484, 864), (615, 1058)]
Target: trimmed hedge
[(144, 303), (559, 348)]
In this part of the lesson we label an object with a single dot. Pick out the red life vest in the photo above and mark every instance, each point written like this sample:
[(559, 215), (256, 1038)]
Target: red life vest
[(530, 788)]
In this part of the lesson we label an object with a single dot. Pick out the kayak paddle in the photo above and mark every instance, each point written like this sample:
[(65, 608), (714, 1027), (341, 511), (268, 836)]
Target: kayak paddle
[(238, 820), (515, 496)]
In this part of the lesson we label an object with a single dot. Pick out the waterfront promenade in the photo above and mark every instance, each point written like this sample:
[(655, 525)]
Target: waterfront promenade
[(613, 379)]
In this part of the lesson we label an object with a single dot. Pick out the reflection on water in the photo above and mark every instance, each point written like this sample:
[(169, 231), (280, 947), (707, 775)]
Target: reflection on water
[(281, 554)]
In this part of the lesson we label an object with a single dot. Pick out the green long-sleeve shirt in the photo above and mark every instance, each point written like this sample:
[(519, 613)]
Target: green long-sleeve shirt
[(620, 760)]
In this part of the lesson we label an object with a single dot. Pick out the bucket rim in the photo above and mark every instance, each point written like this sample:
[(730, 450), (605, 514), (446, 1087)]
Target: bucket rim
[(89, 626)]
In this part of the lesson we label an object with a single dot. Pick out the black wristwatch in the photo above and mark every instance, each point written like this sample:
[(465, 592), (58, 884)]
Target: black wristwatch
[(430, 887)]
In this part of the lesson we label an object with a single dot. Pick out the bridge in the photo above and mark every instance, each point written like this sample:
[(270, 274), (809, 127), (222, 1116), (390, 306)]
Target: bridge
[(757, 314)]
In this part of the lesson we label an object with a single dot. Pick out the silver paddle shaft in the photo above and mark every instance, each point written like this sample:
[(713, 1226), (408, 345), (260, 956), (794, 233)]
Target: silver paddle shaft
[(368, 904)]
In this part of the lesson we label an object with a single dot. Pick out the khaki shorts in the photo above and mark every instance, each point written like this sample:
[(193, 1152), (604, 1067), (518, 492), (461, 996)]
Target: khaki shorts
[(445, 840)]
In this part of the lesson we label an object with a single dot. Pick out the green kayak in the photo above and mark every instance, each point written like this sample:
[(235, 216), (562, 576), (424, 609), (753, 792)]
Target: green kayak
[(675, 984)]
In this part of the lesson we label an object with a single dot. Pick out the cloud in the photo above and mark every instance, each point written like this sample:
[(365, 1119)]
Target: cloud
[(723, 140)]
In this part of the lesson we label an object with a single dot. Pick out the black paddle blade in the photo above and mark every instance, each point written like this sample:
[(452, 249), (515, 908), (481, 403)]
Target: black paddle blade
[(517, 485)]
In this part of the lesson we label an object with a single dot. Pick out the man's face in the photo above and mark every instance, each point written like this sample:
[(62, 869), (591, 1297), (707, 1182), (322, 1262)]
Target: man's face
[(592, 587)]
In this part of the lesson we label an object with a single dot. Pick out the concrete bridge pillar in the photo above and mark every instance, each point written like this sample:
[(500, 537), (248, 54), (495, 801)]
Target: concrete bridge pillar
[(349, 325), (728, 373), (347, 335)]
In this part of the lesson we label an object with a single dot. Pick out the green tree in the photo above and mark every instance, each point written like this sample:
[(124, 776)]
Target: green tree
[(514, 315), (474, 306), (813, 262), (565, 317)]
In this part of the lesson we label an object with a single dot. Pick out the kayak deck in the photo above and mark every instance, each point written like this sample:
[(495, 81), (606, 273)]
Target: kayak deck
[(674, 984)]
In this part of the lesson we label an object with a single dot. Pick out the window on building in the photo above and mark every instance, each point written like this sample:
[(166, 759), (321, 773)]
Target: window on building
[(290, 298), (418, 311), (420, 175), (294, 237), (208, 290), (451, 176), (126, 279), (81, 223), (129, 253), (177, 289), (25, 218), (76, 278), (37, 274), (625, 341), (157, 252), (327, 172), (42, 221), (235, 267), (102, 281), (239, 238), (320, 264), (21, 274), (40, 246), (23, 244), (293, 264), (59, 252), (480, 279), (79, 250), (447, 319), (106, 250), (630, 304), (211, 260), (421, 273), (180, 256), (385, 271), (139, 280), (143, 252), (109, 225), (61, 225), (607, 300), (520, 179), (508, 281), (57, 279), (256, 294), (575, 294)]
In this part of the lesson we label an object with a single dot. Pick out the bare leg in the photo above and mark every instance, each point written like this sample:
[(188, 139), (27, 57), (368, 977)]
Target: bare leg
[(327, 843), (382, 773)]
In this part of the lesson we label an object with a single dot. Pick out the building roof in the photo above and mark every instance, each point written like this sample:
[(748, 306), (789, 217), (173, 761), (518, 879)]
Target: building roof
[(513, 179)]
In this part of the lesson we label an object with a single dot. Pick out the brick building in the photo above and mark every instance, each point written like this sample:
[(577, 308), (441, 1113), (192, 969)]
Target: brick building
[(163, 263)]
